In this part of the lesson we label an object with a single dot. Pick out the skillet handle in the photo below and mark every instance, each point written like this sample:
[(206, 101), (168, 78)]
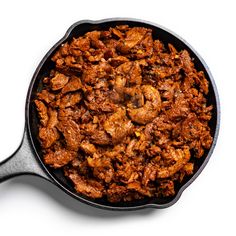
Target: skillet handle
[(22, 161)]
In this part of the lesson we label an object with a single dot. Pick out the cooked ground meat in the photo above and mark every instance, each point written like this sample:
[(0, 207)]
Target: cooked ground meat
[(124, 115)]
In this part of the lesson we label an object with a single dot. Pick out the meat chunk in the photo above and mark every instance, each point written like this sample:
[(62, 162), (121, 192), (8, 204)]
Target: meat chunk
[(133, 37), (131, 71), (118, 126), (138, 188), (59, 158), (102, 168), (99, 101), (94, 37), (145, 48), (166, 188), (116, 61), (59, 81), (101, 104), (69, 113), (88, 148), (149, 173), (48, 136), (181, 157), (46, 96), (88, 187), (52, 122), (179, 109), (100, 137), (71, 132), (42, 111), (117, 32), (187, 62), (203, 83), (188, 168), (191, 127), (92, 74), (69, 100), (73, 85), (82, 43), (116, 193)]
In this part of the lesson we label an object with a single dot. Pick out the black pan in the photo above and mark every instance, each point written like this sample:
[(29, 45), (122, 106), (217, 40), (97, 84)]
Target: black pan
[(27, 159)]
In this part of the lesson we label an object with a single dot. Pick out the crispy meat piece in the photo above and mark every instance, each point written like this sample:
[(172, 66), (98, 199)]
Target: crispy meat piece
[(88, 148), (88, 187), (118, 126), (70, 63), (131, 71), (48, 136), (130, 148), (179, 109), (82, 43), (102, 168), (188, 168), (52, 122), (59, 81), (94, 37), (116, 61), (149, 173), (204, 84), (71, 132), (187, 62), (124, 115), (46, 96), (166, 188), (138, 188), (145, 49), (42, 111), (116, 193), (181, 157), (69, 100), (59, 158), (100, 106), (130, 170), (100, 137), (133, 37), (92, 74), (68, 113), (191, 127), (73, 85), (117, 33), (99, 102)]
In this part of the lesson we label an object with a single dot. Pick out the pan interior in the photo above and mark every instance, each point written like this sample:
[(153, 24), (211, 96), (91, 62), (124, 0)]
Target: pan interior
[(44, 69)]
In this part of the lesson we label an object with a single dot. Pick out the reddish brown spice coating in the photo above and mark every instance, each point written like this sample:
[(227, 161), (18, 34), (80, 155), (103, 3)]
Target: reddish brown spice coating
[(124, 115)]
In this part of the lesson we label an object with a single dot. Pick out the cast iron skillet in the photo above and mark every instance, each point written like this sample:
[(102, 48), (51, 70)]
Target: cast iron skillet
[(27, 159)]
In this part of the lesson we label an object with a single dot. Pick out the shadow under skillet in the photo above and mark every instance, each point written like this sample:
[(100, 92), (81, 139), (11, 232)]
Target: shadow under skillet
[(71, 204)]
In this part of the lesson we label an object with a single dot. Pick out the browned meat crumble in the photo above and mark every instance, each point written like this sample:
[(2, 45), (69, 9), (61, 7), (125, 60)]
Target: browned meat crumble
[(124, 115)]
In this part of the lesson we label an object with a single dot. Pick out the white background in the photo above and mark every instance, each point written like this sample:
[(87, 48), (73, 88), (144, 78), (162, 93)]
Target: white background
[(29, 205)]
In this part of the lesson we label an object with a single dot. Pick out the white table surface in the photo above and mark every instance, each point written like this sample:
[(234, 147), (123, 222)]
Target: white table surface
[(31, 206)]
